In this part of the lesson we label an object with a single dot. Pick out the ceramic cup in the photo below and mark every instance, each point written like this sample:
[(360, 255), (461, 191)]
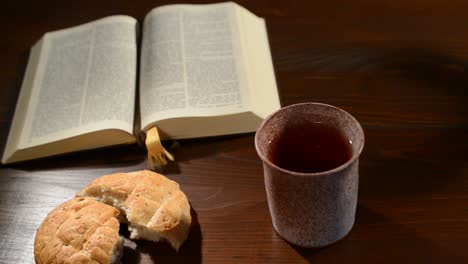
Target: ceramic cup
[(311, 209)]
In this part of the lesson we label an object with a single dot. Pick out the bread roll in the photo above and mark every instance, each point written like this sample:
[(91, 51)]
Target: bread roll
[(81, 230), (154, 206)]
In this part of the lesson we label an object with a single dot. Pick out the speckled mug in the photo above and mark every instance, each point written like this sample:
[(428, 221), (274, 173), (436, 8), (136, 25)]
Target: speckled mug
[(311, 209)]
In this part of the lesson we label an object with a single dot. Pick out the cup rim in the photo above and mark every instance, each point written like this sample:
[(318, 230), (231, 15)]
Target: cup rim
[(305, 174)]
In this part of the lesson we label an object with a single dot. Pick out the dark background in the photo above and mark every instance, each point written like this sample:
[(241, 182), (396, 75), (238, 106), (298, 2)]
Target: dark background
[(400, 67)]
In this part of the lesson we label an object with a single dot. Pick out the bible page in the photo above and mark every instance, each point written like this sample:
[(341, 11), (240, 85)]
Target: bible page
[(263, 95), (85, 82), (191, 63)]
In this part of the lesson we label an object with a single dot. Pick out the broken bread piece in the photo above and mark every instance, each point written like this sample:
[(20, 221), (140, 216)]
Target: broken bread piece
[(81, 230), (153, 206)]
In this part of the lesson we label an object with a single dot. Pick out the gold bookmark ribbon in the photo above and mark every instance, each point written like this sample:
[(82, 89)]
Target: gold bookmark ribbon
[(158, 156)]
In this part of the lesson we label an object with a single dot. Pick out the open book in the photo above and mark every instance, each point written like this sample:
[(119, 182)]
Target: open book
[(204, 70)]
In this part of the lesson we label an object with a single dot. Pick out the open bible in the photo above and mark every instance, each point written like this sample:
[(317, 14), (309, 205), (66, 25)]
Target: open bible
[(204, 70)]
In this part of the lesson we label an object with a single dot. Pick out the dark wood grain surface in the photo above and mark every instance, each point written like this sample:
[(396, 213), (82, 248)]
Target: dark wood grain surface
[(400, 67)]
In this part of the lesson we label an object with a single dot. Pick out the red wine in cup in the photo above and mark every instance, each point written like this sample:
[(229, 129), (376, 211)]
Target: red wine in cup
[(310, 148)]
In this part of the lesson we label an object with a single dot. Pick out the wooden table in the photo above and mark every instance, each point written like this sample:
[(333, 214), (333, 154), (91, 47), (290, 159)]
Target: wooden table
[(399, 68)]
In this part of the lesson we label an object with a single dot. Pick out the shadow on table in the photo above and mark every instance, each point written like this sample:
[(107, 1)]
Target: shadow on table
[(421, 141), (162, 252), (135, 155), (240, 146), (377, 239)]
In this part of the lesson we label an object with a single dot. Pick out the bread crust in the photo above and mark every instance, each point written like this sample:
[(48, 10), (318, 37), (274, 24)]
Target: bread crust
[(150, 202), (81, 230)]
